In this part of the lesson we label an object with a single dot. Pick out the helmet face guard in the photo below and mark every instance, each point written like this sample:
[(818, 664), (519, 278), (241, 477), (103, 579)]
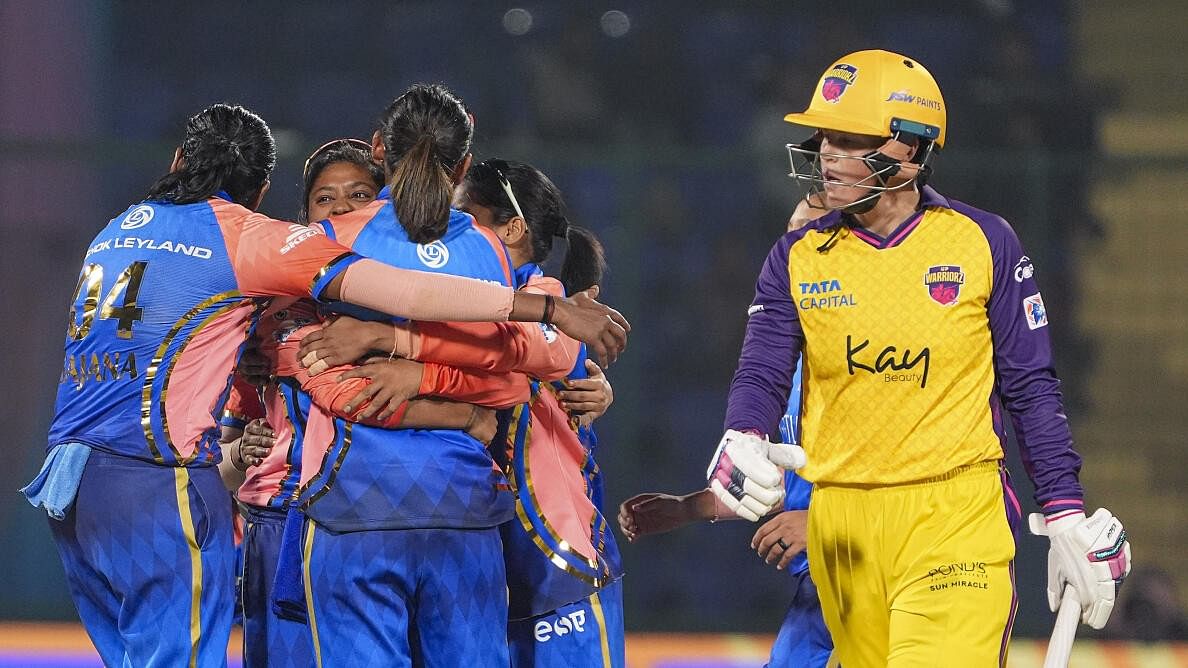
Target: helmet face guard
[(805, 159), (879, 94)]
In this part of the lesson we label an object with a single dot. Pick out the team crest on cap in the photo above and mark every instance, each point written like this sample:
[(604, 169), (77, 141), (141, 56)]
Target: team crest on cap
[(944, 283), (840, 77)]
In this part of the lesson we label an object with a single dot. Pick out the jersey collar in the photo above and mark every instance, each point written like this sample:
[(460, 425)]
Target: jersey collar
[(929, 197), (525, 272), (384, 193)]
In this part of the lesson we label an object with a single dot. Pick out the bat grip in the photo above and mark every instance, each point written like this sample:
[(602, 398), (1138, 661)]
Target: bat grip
[(1065, 630)]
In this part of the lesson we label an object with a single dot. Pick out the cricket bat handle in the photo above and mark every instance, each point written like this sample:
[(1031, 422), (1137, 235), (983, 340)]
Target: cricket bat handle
[(1065, 631)]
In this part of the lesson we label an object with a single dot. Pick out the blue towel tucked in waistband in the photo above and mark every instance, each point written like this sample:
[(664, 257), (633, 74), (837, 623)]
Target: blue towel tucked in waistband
[(56, 484), (288, 587)]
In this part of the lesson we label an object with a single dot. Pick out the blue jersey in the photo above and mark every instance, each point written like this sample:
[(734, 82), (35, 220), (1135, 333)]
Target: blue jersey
[(796, 489), (374, 478), (559, 549), (163, 304)]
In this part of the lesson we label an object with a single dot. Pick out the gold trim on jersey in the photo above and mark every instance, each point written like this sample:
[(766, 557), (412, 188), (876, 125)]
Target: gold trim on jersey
[(169, 375), (181, 485), (346, 445), (325, 270), (150, 374), (289, 450), (309, 599), (563, 547), (600, 617)]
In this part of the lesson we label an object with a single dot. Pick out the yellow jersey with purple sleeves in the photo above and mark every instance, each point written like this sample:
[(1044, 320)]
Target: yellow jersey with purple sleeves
[(912, 345), (900, 357)]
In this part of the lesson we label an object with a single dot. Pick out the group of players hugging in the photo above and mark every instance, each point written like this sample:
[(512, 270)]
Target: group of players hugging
[(402, 402)]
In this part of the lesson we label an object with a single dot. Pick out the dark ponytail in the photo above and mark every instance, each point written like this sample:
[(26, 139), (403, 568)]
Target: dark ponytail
[(544, 212), (584, 260), (226, 148), (426, 134)]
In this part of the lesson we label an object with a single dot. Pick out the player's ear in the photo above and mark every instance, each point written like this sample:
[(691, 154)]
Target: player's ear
[(463, 167), (177, 161), (259, 198), (514, 231), (377, 149)]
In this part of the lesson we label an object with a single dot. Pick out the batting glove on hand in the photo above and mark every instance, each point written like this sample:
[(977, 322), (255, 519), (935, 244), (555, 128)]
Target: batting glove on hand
[(747, 474), (1089, 554)]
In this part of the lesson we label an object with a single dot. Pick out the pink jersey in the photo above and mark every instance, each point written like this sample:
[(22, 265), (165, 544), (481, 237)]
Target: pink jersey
[(283, 324), (164, 302)]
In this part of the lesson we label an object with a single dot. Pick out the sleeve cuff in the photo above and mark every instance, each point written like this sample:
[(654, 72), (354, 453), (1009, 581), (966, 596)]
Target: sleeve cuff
[(1057, 509), (327, 273)]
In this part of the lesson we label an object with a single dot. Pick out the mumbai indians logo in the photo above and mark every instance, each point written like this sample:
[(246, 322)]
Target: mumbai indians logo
[(433, 255), (138, 217), (944, 283), (837, 80)]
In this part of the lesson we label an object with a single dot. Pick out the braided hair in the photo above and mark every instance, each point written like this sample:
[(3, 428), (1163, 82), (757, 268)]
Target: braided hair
[(227, 148)]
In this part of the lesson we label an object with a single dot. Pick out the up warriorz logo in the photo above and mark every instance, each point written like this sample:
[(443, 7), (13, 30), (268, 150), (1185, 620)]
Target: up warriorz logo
[(837, 80), (944, 283)]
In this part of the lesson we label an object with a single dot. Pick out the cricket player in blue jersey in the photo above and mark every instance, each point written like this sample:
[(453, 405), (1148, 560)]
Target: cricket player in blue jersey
[(564, 569), (402, 558), (338, 178), (161, 309), (565, 603)]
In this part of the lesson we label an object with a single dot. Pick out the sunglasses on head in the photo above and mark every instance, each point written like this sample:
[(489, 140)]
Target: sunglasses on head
[(334, 143), (500, 167)]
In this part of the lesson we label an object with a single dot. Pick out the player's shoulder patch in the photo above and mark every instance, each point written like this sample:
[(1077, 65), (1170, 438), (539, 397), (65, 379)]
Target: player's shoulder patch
[(1033, 309)]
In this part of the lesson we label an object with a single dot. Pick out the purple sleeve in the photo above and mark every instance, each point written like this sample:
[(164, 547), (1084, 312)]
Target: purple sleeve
[(1026, 378), (759, 391)]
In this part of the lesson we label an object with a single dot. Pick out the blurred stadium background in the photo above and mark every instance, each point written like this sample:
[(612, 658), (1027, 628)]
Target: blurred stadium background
[(661, 121)]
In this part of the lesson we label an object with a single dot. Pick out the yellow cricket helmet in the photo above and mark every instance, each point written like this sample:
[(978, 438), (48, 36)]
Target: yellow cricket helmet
[(877, 93)]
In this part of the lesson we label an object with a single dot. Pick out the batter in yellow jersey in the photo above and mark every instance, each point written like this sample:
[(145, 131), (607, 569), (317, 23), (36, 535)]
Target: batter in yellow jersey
[(920, 324)]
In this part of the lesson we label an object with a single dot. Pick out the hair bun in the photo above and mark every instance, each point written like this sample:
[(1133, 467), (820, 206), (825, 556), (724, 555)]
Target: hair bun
[(226, 149)]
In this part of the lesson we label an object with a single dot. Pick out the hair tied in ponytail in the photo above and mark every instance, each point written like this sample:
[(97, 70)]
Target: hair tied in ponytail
[(230, 148), (562, 229)]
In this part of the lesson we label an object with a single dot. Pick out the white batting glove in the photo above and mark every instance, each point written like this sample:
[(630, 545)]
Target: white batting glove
[(747, 473), (1089, 554)]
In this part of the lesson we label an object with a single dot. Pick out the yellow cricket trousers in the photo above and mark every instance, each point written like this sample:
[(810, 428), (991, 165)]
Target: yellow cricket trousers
[(917, 574)]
